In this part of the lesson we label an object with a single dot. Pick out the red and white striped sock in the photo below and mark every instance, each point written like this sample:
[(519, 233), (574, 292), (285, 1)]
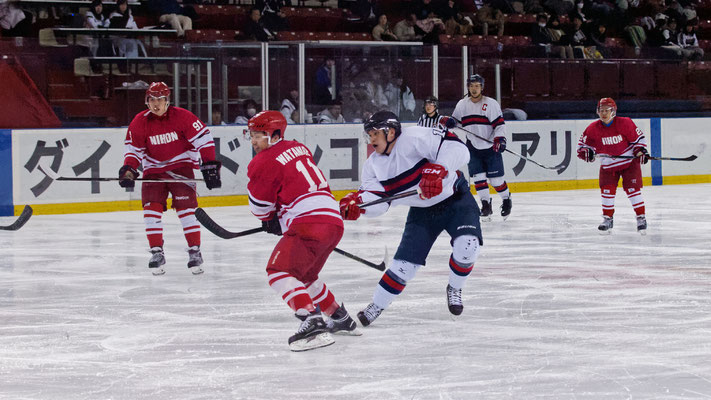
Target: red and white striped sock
[(608, 202), (191, 227), (635, 196), (291, 290), (152, 217), (322, 297)]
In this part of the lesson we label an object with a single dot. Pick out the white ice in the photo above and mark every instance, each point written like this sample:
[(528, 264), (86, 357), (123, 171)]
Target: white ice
[(552, 310)]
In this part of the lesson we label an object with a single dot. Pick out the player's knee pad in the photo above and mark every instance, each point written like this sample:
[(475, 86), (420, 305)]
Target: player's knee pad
[(403, 271), (608, 189), (481, 176), (465, 249)]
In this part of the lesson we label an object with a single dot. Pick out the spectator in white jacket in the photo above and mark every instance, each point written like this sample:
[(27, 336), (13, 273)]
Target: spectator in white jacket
[(14, 21)]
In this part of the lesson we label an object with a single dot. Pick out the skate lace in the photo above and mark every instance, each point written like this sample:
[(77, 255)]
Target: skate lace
[(306, 324), (372, 311), (454, 296)]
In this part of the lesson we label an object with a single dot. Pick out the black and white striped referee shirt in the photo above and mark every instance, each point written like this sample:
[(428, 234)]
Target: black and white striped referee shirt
[(429, 122)]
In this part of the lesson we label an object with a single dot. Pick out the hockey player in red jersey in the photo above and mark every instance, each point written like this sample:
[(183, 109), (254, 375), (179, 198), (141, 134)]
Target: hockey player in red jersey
[(290, 194), (611, 137), (167, 142)]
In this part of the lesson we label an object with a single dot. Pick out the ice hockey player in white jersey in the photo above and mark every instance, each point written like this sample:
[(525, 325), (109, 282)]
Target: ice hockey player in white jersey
[(427, 159), (483, 120)]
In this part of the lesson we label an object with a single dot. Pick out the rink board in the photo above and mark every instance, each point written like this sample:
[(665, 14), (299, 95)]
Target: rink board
[(339, 150)]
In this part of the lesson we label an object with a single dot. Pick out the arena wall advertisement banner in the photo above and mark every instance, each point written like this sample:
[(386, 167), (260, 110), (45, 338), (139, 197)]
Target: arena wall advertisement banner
[(339, 150)]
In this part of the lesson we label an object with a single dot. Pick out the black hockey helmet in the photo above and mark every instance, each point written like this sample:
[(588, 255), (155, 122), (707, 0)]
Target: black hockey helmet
[(382, 120), (431, 100)]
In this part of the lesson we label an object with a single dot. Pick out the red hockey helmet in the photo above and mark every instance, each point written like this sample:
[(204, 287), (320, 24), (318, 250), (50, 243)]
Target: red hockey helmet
[(157, 90), (267, 121), (607, 102)]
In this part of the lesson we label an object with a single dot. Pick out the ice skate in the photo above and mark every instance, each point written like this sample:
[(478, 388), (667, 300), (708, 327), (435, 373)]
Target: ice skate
[(642, 224), (312, 333), (606, 225), (485, 211), (369, 314), (506, 208), (157, 261), (454, 300), (341, 323), (195, 260)]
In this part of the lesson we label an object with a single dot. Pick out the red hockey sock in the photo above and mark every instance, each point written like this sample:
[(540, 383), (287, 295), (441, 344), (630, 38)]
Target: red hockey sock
[(291, 290), (322, 297), (191, 227), (152, 217)]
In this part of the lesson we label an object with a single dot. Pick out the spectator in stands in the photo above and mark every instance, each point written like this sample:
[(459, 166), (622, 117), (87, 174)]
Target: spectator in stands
[(332, 114), (689, 43), (489, 18), (430, 28), (400, 99), (217, 117), (539, 33), (324, 87), (560, 42), (405, 29), (382, 30), (290, 104), (100, 46), (249, 108), (255, 29), (578, 38), (454, 22), (122, 17), (172, 13), (597, 38), (423, 8), (664, 36), (14, 22), (272, 16)]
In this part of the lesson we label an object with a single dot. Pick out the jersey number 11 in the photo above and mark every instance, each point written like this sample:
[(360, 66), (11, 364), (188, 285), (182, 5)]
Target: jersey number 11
[(319, 175)]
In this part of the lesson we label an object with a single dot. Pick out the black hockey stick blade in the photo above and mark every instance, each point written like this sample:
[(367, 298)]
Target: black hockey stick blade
[(689, 158), (388, 199), (54, 175), (20, 221), (379, 267), (219, 231)]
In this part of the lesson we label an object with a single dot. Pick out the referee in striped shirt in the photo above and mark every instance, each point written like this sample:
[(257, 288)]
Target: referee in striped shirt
[(431, 117)]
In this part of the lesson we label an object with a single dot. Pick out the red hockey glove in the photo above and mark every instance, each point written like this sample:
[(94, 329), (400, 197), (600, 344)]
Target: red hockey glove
[(448, 122), (431, 181), (643, 155), (211, 173), (349, 206), (586, 154), (499, 144), (127, 176)]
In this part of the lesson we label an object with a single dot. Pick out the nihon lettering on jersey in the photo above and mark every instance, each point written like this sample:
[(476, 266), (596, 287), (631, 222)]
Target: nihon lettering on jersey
[(163, 138), (612, 139), (292, 153)]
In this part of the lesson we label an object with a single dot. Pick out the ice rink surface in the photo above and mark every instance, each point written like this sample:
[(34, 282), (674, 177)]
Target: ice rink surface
[(552, 310)]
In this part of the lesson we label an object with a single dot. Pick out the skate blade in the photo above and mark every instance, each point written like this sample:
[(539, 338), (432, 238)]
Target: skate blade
[(505, 217), (157, 271), (642, 232), (605, 233), (485, 219), (196, 270), (313, 342), (354, 332)]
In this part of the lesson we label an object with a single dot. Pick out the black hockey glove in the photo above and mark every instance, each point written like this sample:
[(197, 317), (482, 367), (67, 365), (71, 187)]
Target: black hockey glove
[(586, 154), (272, 226), (211, 173), (643, 155), (127, 176)]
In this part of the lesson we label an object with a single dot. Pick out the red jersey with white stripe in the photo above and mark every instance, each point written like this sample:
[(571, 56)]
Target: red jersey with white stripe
[(285, 180), (168, 142), (621, 138)]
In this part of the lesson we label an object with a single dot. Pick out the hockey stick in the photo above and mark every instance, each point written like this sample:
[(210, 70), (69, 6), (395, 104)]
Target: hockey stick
[(223, 233), (219, 231), (21, 220), (558, 167), (388, 199), (52, 174), (690, 158)]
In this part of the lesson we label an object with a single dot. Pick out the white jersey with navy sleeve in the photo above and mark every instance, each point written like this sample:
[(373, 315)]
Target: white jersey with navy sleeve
[(401, 170), (483, 118)]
